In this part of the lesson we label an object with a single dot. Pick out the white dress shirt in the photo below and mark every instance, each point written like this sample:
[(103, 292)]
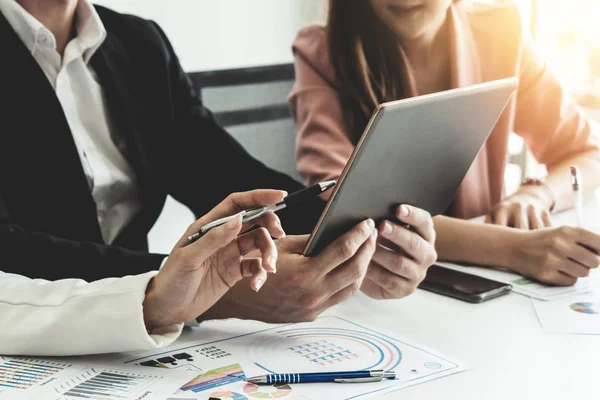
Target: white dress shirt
[(110, 177), (71, 316)]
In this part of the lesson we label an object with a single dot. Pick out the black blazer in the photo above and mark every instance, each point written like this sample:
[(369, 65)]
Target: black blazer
[(48, 222)]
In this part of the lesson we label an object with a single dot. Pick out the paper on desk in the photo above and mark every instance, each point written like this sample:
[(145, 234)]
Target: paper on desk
[(48, 379), (577, 314), (529, 287), (328, 344)]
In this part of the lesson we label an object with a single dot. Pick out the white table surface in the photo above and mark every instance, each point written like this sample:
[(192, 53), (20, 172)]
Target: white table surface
[(512, 358), (502, 339)]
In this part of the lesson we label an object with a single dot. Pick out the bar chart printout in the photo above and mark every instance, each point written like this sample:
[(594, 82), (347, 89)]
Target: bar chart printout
[(41, 379), (25, 373), (101, 384)]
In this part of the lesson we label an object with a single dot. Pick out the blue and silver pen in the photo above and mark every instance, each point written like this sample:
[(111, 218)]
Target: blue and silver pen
[(376, 375), (249, 215)]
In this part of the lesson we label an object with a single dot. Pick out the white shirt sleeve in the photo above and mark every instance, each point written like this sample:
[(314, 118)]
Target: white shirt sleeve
[(74, 317)]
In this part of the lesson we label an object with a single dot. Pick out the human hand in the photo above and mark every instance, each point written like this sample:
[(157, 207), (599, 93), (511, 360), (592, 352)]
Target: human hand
[(557, 256), (304, 287), (403, 255), (198, 274), (528, 208)]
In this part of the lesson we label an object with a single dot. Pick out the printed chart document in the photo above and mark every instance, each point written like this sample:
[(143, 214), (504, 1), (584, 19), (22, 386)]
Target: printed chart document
[(530, 287), (577, 314), (44, 379), (328, 344)]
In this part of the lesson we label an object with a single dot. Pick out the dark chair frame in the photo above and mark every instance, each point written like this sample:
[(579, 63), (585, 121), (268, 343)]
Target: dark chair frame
[(246, 76)]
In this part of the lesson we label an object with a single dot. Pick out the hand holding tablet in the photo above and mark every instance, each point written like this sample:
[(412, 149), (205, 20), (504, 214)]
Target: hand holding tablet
[(415, 151)]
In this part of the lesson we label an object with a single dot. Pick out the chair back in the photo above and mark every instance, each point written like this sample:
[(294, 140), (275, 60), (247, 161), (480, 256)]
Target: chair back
[(251, 103)]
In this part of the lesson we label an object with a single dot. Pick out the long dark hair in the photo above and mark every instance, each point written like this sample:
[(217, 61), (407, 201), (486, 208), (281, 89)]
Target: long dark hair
[(367, 61)]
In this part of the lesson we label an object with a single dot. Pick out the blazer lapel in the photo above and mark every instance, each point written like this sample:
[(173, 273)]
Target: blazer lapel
[(466, 71), (410, 84), (37, 127), (127, 110), (465, 67), (117, 77)]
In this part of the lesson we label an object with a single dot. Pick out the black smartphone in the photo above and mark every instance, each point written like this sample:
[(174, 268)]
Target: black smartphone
[(463, 286)]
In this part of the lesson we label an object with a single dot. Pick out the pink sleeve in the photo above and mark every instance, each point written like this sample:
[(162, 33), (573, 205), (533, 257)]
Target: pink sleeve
[(323, 145), (554, 127)]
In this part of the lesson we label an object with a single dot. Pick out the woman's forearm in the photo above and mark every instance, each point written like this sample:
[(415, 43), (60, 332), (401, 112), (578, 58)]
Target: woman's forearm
[(483, 244)]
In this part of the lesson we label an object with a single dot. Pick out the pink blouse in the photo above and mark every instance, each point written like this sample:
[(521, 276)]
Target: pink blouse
[(487, 43)]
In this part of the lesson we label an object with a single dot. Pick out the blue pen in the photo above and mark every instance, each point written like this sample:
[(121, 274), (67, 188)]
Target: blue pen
[(376, 375)]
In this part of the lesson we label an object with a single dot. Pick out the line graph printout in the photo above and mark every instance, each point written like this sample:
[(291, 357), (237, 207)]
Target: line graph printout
[(328, 344), (43, 379)]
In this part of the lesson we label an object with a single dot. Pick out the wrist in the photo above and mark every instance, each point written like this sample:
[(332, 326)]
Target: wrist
[(152, 308), (537, 189), (512, 256)]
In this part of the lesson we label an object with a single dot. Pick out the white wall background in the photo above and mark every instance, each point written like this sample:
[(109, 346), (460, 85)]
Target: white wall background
[(217, 34), (220, 34)]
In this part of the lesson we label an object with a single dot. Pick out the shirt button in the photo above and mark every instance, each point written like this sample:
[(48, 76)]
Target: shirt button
[(42, 39)]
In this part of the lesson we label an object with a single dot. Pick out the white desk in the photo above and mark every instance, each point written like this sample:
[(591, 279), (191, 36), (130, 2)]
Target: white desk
[(502, 339)]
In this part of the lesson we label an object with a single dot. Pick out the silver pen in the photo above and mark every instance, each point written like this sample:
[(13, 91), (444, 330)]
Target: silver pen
[(252, 214), (577, 185)]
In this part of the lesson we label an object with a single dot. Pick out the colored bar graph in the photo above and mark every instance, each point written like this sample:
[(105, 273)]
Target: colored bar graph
[(215, 378), (23, 373)]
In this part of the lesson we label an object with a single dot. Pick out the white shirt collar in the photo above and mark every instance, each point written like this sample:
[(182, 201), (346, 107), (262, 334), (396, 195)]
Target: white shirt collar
[(90, 30)]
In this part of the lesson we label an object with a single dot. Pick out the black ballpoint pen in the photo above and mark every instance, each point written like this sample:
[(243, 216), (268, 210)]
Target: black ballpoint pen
[(249, 215)]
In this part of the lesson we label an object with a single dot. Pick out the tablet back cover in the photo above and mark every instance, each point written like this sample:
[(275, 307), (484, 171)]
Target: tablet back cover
[(415, 151)]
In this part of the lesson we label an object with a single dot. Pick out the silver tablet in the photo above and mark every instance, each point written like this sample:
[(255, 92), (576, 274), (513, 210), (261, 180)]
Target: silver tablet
[(414, 151)]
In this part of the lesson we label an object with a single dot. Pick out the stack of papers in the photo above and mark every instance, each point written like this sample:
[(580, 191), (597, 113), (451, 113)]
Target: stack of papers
[(328, 344), (218, 368)]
